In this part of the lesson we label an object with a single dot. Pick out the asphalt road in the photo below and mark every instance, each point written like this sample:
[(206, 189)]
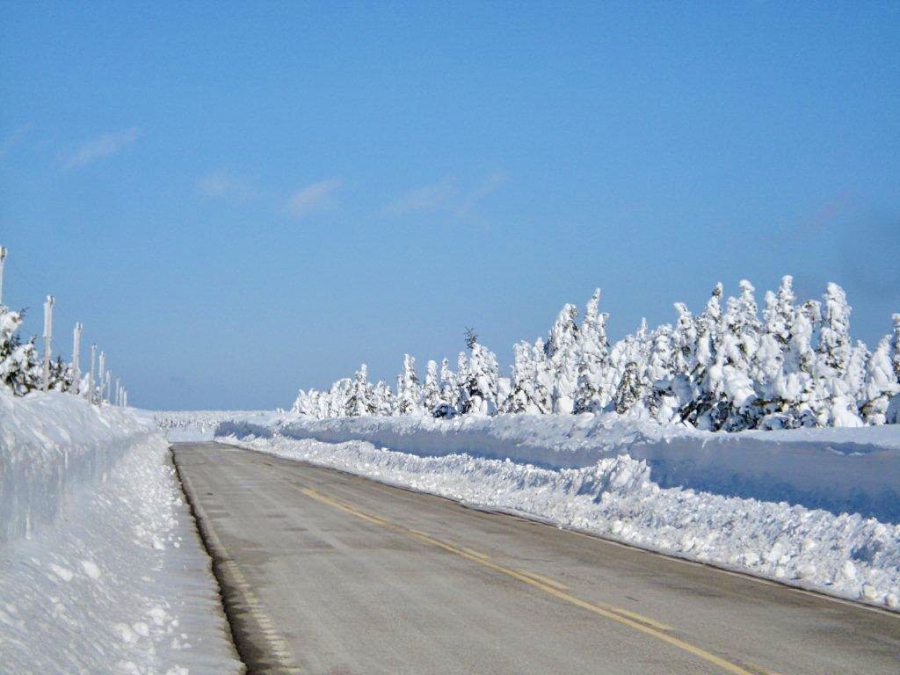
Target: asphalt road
[(324, 572)]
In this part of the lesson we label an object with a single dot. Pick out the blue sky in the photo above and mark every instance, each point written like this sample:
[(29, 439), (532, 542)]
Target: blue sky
[(239, 199)]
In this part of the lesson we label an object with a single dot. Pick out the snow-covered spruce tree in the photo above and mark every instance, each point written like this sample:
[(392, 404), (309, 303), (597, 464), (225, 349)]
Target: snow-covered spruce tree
[(431, 391), (729, 382), (667, 386), (880, 385), (895, 345), (630, 390), (61, 375), (337, 398), (562, 351), (449, 392), (360, 402), (628, 361), (383, 399), (768, 364), (522, 398), (543, 378), (19, 367), (700, 409), (835, 402), (408, 390), (480, 388), (593, 359)]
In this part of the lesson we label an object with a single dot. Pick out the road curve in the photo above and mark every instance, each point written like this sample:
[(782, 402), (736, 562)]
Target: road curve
[(324, 572)]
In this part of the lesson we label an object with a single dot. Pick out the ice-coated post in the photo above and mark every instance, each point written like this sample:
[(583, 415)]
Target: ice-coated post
[(2, 258), (117, 391), (101, 373), (76, 357), (90, 387), (48, 336), (124, 398)]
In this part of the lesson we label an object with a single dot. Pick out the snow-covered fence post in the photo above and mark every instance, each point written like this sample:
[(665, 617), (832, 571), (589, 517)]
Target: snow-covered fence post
[(117, 391), (124, 397), (90, 387), (48, 337), (101, 373), (76, 357), (2, 258)]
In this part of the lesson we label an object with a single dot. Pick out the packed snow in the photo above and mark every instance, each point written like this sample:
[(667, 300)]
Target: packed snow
[(101, 568), (588, 480)]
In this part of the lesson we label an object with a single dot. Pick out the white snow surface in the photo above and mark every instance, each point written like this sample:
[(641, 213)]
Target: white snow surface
[(847, 556), (854, 470), (101, 569)]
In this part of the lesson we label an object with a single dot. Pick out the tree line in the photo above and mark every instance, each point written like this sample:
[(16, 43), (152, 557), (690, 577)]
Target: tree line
[(724, 368)]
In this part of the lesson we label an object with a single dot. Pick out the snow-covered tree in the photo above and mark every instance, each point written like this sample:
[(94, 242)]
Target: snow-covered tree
[(384, 399), (361, 399), (593, 355), (431, 391), (408, 390), (895, 345), (562, 352), (480, 388), (880, 384), (19, 367), (449, 392)]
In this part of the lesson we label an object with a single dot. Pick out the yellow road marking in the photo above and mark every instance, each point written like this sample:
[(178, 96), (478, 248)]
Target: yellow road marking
[(545, 580), (623, 616)]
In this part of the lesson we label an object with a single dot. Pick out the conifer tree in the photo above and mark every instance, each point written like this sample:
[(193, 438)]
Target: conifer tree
[(593, 355), (481, 383), (360, 401), (431, 391), (384, 399), (880, 385), (19, 367), (408, 390), (562, 351)]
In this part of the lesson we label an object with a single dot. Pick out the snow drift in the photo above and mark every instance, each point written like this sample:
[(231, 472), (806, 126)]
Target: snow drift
[(840, 470), (101, 569)]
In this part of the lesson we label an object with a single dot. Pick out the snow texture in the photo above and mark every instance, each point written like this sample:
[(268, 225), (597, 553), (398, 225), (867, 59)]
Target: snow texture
[(843, 555), (101, 568)]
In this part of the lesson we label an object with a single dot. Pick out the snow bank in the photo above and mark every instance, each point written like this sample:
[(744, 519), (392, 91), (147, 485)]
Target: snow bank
[(193, 425), (101, 569), (840, 470), (847, 555)]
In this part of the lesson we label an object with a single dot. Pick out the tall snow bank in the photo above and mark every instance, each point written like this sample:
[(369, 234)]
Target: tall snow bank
[(50, 444), (848, 556), (101, 569), (841, 470)]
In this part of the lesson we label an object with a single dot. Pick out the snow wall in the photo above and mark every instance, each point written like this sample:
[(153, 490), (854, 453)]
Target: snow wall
[(840, 470), (50, 444)]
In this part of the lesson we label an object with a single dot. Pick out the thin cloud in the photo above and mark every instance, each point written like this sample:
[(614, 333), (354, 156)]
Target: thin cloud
[(446, 196), (13, 138), (314, 197), (106, 145), (425, 198), (489, 186), (222, 184)]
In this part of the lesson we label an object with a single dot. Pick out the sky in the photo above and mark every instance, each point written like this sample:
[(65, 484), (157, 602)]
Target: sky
[(241, 199)]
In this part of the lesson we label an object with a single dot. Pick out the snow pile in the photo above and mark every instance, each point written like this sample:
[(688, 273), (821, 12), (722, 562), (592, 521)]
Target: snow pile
[(193, 425), (843, 555), (854, 470), (101, 570)]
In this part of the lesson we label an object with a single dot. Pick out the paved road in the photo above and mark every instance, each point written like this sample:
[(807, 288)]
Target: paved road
[(324, 572)]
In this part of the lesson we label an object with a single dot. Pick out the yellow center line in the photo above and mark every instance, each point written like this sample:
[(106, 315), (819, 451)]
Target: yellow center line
[(545, 580), (619, 614)]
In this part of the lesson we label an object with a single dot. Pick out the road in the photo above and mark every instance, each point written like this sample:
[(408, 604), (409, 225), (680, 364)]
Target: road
[(324, 572)]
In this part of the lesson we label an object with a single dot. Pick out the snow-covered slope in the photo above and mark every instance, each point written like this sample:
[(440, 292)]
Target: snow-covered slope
[(101, 570)]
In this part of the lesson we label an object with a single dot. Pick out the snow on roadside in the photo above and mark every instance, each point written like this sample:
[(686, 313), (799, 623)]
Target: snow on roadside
[(844, 555), (852, 470), (102, 570)]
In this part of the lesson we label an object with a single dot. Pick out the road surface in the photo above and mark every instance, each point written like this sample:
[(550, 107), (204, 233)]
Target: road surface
[(324, 572)]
